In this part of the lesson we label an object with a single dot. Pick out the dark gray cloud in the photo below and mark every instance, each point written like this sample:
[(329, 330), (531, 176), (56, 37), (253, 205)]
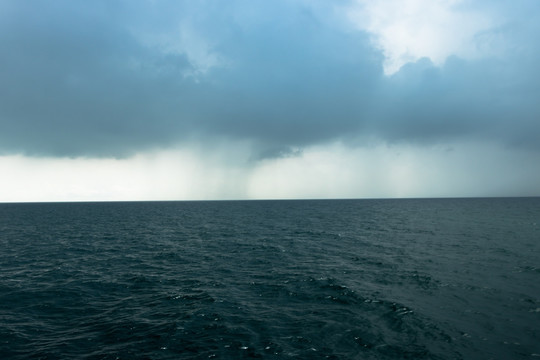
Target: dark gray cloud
[(110, 78)]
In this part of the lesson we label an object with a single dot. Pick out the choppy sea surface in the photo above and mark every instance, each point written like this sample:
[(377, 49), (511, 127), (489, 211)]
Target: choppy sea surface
[(329, 279)]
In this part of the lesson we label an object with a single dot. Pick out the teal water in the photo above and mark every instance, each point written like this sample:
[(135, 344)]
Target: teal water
[(332, 279)]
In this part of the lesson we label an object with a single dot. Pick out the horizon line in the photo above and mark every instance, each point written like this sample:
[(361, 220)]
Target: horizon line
[(273, 199)]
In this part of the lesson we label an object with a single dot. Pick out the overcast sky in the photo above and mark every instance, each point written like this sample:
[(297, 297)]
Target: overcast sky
[(243, 99)]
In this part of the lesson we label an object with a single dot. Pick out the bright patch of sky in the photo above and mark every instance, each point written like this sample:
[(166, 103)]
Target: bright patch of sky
[(327, 171), (408, 30)]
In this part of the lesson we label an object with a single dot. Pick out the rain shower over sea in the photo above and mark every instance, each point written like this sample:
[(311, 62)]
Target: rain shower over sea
[(312, 279)]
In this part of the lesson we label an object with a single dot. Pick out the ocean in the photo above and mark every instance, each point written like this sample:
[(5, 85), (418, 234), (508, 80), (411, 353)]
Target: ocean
[(306, 279)]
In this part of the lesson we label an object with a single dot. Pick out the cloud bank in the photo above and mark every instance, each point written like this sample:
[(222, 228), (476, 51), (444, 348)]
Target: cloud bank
[(114, 78)]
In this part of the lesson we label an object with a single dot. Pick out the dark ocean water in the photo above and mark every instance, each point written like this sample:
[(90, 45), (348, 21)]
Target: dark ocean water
[(338, 279)]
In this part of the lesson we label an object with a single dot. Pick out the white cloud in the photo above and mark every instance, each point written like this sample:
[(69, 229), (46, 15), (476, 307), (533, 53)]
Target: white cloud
[(408, 30)]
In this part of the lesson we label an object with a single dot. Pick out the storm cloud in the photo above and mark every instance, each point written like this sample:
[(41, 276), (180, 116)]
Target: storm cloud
[(112, 78)]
